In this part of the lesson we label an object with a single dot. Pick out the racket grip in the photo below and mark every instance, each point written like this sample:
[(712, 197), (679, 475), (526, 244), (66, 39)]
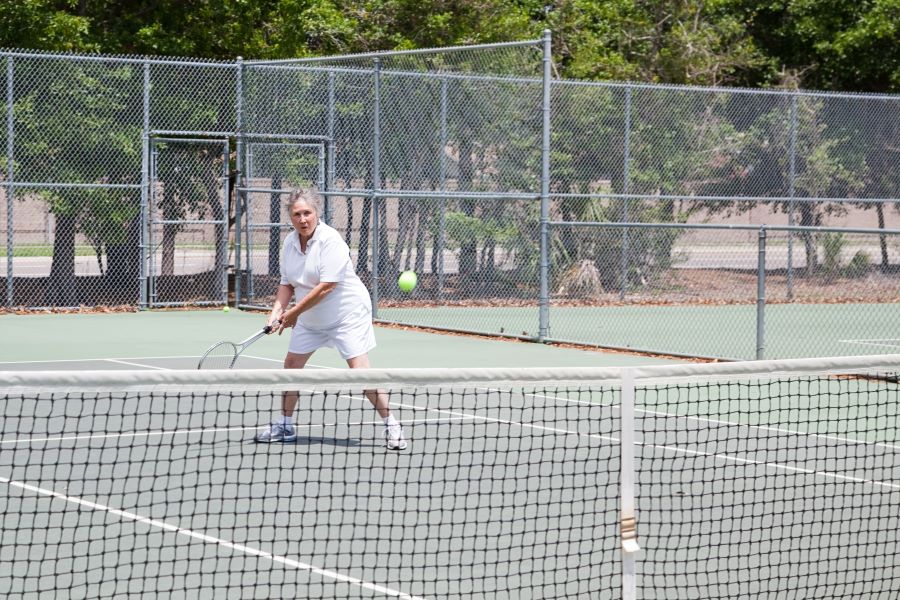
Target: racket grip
[(268, 328)]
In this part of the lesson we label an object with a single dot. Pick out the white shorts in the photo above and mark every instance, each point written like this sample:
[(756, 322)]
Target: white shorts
[(352, 337)]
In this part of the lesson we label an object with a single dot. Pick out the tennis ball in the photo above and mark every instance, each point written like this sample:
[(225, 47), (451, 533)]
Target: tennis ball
[(226, 308), (407, 281)]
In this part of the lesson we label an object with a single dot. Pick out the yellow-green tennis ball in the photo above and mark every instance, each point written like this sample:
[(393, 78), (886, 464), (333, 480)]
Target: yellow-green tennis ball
[(407, 281), (226, 308)]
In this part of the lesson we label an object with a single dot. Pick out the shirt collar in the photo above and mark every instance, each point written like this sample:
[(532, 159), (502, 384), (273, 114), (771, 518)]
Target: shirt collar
[(295, 237)]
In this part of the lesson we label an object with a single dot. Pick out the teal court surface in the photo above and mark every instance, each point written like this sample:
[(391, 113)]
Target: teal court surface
[(715, 330), (144, 479)]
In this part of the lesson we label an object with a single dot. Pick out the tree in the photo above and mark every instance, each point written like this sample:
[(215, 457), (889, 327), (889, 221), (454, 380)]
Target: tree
[(78, 123)]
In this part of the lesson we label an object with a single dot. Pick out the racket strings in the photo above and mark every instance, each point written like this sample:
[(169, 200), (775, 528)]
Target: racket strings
[(220, 356)]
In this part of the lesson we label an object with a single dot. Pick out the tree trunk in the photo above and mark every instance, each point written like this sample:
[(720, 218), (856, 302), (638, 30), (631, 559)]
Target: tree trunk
[(60, 289), (275, 230), (218, 214), (167, 264), (468, 252), (123, 266), (362, 262), (882, 240), (421, 224), (807, 219)]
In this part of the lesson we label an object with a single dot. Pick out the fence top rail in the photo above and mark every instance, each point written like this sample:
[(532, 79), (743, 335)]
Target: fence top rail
[(725, 226), (129, 59), (391, 53), (536, 43), (435, 75), (724, 90), (761, 199)]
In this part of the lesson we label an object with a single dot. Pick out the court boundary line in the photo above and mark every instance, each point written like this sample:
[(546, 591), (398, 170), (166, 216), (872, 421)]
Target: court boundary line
[(724, 457), (674, 449), (733, 424), (872, 342), (212, 540)]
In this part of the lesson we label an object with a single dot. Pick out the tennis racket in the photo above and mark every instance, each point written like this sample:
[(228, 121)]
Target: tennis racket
[(223, 355)]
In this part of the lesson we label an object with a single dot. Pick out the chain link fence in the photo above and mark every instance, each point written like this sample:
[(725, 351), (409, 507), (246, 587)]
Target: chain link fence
[(523, 202)]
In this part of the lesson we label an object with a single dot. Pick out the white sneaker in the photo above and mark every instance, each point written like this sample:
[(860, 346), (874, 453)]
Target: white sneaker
[(277, 432), (393, 437)]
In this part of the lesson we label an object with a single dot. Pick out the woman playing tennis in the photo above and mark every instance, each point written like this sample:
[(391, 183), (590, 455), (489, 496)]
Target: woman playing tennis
[(331, 308)]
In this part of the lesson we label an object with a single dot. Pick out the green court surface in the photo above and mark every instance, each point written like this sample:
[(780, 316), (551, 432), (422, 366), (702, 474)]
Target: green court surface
[(176, 339), (717, 331)]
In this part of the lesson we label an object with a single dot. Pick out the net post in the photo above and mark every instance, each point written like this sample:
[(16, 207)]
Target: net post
[(761, 296), (628, 522)]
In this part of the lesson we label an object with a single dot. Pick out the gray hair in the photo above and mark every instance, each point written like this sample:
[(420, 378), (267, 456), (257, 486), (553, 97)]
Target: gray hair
[(310, 197)]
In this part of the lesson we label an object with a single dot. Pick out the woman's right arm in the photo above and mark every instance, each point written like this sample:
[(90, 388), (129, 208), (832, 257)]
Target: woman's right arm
[(282, 300)]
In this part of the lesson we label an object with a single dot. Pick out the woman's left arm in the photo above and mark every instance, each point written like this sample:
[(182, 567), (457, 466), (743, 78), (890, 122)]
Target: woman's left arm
[(315, 295)]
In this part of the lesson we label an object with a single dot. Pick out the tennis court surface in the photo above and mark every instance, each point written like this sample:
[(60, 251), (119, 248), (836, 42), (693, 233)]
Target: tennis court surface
[(775, 479)]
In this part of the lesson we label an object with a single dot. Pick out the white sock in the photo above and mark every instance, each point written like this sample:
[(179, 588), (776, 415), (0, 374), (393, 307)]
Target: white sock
[(390, 420), (287, 420)]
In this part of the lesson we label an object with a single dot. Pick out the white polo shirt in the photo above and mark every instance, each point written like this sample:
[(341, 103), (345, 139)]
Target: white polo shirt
[(327, 259)]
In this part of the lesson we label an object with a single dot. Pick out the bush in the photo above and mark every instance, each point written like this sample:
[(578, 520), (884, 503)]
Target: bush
[(859, 265)]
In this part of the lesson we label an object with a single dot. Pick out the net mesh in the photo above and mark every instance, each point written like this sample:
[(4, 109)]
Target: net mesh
[(764, 484)]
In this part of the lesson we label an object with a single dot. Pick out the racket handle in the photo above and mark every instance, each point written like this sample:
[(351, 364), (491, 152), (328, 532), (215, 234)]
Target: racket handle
[(268, 328)]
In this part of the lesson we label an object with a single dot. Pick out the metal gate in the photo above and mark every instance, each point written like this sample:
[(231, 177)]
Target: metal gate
[(272, 169), (187, 222)]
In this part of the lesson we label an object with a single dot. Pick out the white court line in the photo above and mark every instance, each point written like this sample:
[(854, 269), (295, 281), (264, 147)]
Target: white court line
[(729, 423), (98, 358), (667, 448), (213, 540), (874, 342), (134, 364)]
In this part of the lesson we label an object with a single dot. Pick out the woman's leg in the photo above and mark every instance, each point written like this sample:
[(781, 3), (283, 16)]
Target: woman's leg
[(377, 397), (289, 399)]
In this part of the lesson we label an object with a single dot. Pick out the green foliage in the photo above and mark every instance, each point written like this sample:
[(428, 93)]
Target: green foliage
[(463, 229), (839, 44), (859, 265), (833, 244)]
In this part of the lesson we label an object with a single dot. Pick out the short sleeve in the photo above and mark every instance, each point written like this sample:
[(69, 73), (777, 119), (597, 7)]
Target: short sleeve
[(333, 260), (281, 261)]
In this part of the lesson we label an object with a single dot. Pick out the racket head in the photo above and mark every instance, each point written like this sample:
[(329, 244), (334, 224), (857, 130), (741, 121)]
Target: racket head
[(219, 356)]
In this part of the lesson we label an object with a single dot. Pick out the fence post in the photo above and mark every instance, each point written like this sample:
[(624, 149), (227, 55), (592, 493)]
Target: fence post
[(329, 173), (145, 250), (544, 302), (626, 187), (792, 175), (222, 237), (761, 296), (442, 217), (376, 184), (240, 176), (10, 156)]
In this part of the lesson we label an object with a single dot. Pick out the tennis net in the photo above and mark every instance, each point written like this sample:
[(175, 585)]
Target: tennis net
[(766, 479)]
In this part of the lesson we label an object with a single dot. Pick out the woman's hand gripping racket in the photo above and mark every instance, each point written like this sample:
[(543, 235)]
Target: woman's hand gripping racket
[(223, 355)]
